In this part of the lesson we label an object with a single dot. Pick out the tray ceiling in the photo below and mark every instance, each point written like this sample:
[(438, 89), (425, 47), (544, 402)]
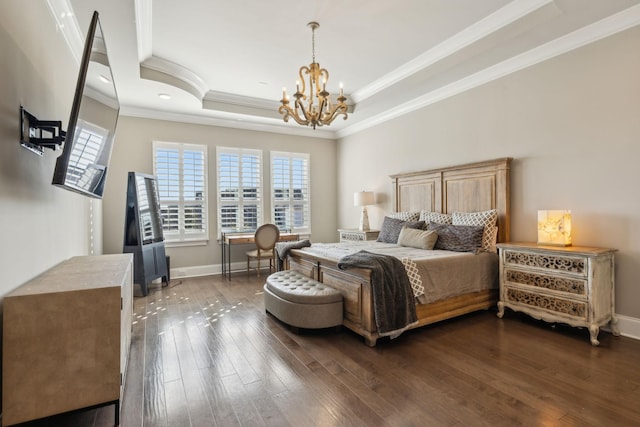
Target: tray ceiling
[(225, 63)]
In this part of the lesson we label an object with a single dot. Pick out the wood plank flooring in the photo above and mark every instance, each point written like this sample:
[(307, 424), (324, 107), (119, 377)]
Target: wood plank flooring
[(205, 354)]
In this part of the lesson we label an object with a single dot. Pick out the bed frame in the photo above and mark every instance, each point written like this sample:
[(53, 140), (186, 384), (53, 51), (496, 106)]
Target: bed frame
[(466, 188)]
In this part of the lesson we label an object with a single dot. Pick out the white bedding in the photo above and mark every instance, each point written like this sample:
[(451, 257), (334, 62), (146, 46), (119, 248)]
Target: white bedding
[(441, 274)]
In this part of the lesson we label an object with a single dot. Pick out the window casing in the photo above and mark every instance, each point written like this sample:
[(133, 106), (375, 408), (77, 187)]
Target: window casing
[(181, 170), (290, 195), (240, 202)]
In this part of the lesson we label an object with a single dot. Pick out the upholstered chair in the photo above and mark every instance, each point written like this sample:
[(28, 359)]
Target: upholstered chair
[(266, 237)]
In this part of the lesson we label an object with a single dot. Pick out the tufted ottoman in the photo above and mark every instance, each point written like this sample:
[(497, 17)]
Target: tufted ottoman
[(301, 301)]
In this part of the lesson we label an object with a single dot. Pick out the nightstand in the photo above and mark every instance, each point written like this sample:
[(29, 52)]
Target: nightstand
[(572, 285), (355, 235)]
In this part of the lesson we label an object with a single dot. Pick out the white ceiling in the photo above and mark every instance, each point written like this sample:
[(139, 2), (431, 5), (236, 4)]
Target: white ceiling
[(226, 62)]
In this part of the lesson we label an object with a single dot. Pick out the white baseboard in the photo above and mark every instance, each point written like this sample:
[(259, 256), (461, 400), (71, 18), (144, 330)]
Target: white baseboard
[(629, 326), (205, 270)]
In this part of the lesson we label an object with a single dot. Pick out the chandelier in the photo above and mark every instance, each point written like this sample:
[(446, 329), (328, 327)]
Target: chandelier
[(318, 110)]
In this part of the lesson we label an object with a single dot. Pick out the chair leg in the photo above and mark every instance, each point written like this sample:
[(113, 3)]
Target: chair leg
[(258, 267), (248, 260)]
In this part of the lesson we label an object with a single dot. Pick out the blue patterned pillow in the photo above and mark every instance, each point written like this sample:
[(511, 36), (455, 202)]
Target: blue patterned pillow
[(391, 228), (458, 238)]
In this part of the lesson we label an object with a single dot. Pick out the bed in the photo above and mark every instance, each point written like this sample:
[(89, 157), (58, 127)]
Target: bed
[(468, 188)]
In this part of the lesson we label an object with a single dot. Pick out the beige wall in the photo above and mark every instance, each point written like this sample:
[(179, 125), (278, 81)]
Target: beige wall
[(133, 152), (42, 224), (572, 125)]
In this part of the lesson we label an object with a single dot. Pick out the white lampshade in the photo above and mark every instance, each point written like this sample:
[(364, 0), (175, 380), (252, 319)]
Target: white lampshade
[(363, 198), (554, 228)]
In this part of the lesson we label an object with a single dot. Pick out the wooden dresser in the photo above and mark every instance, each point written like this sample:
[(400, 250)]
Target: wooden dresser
[(572, 285), (66, 338)]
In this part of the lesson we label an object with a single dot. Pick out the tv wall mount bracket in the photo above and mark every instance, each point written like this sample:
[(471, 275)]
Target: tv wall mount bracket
[(35, 134)]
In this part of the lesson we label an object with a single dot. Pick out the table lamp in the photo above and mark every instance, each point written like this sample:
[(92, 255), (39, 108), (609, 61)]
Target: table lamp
[(363, 198), (554, 228)]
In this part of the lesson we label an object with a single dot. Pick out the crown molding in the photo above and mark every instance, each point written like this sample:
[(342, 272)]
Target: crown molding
[(144, 28), (240, 100), (231, 103), (67, 24), (606, 27), (234, 121), (165, 71), (232, 110), (490, 24)]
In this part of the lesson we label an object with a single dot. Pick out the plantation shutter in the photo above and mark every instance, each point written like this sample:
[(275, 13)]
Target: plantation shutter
[(182, 187), (239, 189), (290, 198)]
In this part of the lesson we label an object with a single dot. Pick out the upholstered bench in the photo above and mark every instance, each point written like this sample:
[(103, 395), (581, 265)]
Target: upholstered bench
[(302, 302)]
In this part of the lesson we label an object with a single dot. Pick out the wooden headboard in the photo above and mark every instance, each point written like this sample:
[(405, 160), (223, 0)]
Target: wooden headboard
[(471, 187)]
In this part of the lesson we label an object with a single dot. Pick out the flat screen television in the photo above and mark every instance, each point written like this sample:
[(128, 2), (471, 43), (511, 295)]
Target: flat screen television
[(83, 165)]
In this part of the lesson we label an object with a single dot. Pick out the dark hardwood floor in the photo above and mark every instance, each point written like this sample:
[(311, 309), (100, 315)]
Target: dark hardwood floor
[(205, 354)]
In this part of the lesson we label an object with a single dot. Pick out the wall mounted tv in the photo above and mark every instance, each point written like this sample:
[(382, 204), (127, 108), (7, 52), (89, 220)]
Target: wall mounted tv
[(84, 162)]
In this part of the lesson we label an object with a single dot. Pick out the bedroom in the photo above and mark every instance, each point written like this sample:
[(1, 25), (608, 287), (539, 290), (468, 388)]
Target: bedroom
[(570, 123)]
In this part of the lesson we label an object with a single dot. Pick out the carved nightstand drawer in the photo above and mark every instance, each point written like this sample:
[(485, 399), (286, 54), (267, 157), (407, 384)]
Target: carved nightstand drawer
[(572, 285), (573, 308), (553, 262), (350, 235)]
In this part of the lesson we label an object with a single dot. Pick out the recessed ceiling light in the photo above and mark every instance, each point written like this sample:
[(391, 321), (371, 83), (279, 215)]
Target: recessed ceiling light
[(263, 83), (164, 96), (104, 79)]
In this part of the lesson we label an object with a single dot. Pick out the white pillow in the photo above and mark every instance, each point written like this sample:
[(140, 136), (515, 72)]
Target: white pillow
[(437, 217), (405, 216), (487, 219)]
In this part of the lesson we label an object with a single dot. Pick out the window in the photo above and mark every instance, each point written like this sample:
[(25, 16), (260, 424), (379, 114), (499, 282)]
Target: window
[(290, 201), (84, 171), (239, 189), (181, 170)]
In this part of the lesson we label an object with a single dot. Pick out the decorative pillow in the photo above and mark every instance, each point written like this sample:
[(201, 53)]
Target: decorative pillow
[(487, 219), (405, 216), (437, 217), (391, 227), (458, 238), (419, 239)]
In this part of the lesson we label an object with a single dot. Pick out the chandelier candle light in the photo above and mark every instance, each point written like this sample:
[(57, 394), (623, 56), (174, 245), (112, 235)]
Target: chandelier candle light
[(319, 110), (363, 198)]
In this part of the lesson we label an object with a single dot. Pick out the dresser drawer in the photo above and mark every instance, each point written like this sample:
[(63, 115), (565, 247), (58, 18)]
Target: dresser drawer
[(573, 308), (575, 287), (572, 264)]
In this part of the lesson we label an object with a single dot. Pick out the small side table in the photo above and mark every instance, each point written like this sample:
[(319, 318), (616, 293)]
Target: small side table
[(355, 235)]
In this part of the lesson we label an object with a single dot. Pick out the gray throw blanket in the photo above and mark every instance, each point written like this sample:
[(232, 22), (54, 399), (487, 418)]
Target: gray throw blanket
[(393, 301), (283, 248)]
